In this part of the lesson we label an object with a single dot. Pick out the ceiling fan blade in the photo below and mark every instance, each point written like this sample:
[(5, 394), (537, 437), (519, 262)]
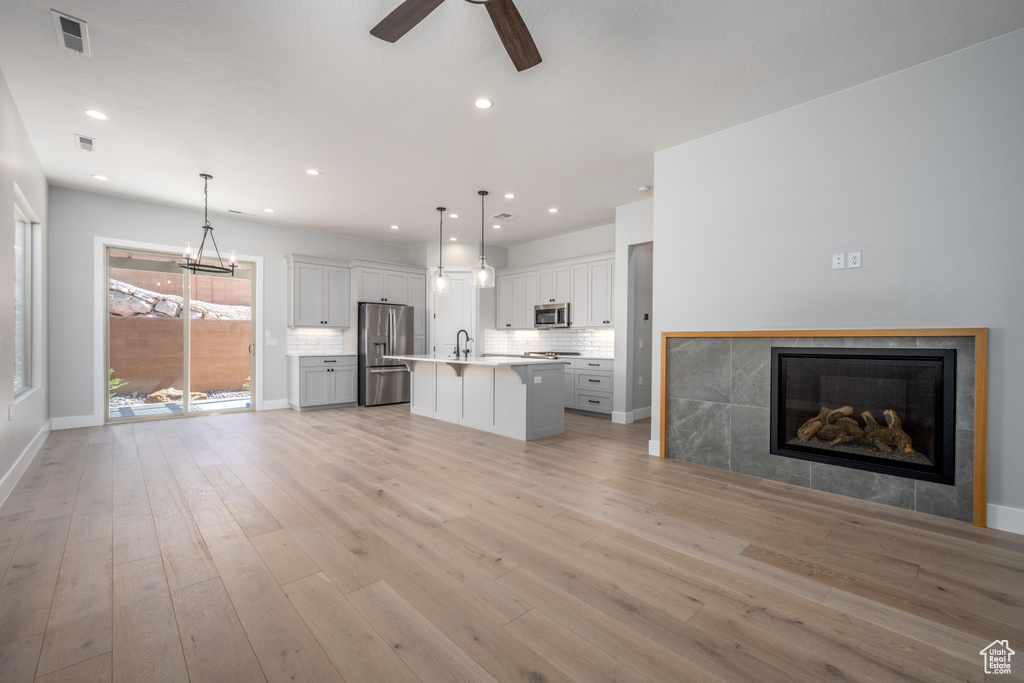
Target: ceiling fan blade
[(513, 33), (403, 18)]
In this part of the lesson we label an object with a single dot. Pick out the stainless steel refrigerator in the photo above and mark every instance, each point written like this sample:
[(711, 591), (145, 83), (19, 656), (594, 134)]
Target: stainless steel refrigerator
[(384, 330)]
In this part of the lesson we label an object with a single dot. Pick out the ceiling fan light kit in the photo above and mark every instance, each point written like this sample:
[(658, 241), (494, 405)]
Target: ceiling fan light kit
[(506, 19)]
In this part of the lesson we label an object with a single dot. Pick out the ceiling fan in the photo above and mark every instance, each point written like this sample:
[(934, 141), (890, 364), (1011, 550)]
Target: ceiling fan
[(506, 19)]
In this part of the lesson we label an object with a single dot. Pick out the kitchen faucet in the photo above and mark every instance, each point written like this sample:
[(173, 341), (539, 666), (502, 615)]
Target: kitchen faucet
[(458, 337)]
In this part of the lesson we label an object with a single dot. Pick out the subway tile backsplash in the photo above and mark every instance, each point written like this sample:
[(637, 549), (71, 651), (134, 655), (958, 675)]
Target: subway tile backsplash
[(593, 343), (314, 341)]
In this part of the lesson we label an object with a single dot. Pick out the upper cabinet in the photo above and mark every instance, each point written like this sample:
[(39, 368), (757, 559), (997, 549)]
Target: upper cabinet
[(393, 284), (511, 314), (318, 292), (601, 293), (382, 286), (586, 284)]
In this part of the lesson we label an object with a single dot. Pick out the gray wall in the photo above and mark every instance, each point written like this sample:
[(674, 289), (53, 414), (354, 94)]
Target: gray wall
[(921, 171), (30, 416), (77, 217), (641, 301)]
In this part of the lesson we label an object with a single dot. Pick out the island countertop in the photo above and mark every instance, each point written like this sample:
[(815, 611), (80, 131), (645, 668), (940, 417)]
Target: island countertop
[(488, 361)]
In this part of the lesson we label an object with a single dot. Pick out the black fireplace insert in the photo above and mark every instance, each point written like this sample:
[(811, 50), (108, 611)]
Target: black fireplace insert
[(884, 410)]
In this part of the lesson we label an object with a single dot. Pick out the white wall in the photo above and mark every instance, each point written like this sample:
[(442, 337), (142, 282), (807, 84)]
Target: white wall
[(23, 425), (76, 217), (921, 170), (571, 245), (634, 224)]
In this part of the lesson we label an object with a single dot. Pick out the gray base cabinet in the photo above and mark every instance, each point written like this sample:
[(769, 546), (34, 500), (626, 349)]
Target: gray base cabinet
[(589, 385), (316, 382)]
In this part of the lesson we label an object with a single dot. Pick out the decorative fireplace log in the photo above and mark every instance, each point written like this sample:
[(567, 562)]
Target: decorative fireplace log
[(900, 438), (835, 427), (876, 434)]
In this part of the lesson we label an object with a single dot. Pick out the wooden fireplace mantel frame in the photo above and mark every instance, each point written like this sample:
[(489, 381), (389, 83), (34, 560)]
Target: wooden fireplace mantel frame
[(980, 335)]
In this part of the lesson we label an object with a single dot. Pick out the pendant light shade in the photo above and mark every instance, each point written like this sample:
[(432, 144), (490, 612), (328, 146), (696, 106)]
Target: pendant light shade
[(482, 274), (440, 281), (194, 257)]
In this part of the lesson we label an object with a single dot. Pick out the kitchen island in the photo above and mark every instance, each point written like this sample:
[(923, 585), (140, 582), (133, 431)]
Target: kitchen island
[(516, 397)]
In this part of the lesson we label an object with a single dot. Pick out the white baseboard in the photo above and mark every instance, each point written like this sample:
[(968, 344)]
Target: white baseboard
[(1005, 518), (279, 404), (73, 422), (629, 417), (21, 464), (654, 448)]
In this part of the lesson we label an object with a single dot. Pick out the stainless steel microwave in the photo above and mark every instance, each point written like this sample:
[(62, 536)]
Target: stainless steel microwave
[(547, 316)]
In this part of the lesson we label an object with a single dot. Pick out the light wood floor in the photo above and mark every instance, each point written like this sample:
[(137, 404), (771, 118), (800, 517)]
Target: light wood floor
[(368, 544)]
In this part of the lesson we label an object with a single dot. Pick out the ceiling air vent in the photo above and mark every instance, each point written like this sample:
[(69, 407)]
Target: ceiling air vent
[(71, 33), (503, 216), (86, 143)]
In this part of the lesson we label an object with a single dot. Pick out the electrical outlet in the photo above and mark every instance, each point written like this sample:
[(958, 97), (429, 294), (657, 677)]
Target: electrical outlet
[(853, 259), (838, 261), (641, 343), (537, 380), (641, 381)]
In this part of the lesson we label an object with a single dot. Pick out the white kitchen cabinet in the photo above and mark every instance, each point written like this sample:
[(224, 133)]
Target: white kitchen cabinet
[(600, 293), (585, 284), (417, 298), (316, 382), (378, 285), (531, 289), (318, 293), (554, 285), (512, 303), (579, 301)]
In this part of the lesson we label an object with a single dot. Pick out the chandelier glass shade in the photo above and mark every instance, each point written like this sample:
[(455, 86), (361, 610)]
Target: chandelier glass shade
[(482, 274), (440, 281)]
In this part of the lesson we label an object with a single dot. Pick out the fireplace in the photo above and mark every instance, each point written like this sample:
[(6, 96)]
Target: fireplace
[(888, 410)]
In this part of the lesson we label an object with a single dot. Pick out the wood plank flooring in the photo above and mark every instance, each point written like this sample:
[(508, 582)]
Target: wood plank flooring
[(368, 544)]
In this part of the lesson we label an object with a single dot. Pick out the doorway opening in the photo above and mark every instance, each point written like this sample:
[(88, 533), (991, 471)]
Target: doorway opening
[(177, 344)]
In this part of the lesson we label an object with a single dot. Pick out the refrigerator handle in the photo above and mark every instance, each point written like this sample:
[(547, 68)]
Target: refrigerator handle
[(392, 335)]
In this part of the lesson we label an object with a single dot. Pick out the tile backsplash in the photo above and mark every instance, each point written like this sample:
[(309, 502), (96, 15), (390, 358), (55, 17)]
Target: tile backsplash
[(593, 343), (314, 341)]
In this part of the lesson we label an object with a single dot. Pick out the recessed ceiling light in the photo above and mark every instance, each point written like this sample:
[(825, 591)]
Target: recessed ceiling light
[(394, 227), (552, 210), (312, 171), (453, 239), (269, 210), (483, 103), (453, 215), (101, 177), (497, 227), (510, 196), (96, 114)]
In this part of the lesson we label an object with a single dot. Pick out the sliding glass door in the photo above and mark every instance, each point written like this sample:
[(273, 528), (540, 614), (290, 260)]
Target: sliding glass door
[(177, 344)]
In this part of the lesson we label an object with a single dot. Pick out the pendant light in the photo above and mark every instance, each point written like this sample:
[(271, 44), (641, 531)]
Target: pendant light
[(482, 274), (193, 257), (440, 281)]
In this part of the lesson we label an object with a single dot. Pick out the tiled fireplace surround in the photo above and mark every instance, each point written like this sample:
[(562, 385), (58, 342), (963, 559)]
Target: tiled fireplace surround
[(716, 408)]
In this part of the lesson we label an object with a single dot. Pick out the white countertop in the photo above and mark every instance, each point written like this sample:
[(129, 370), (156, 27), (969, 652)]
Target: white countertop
[(308, 354), (492, 361)]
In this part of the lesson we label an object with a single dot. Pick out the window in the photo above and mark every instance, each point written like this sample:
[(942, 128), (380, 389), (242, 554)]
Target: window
[(22, 302)]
